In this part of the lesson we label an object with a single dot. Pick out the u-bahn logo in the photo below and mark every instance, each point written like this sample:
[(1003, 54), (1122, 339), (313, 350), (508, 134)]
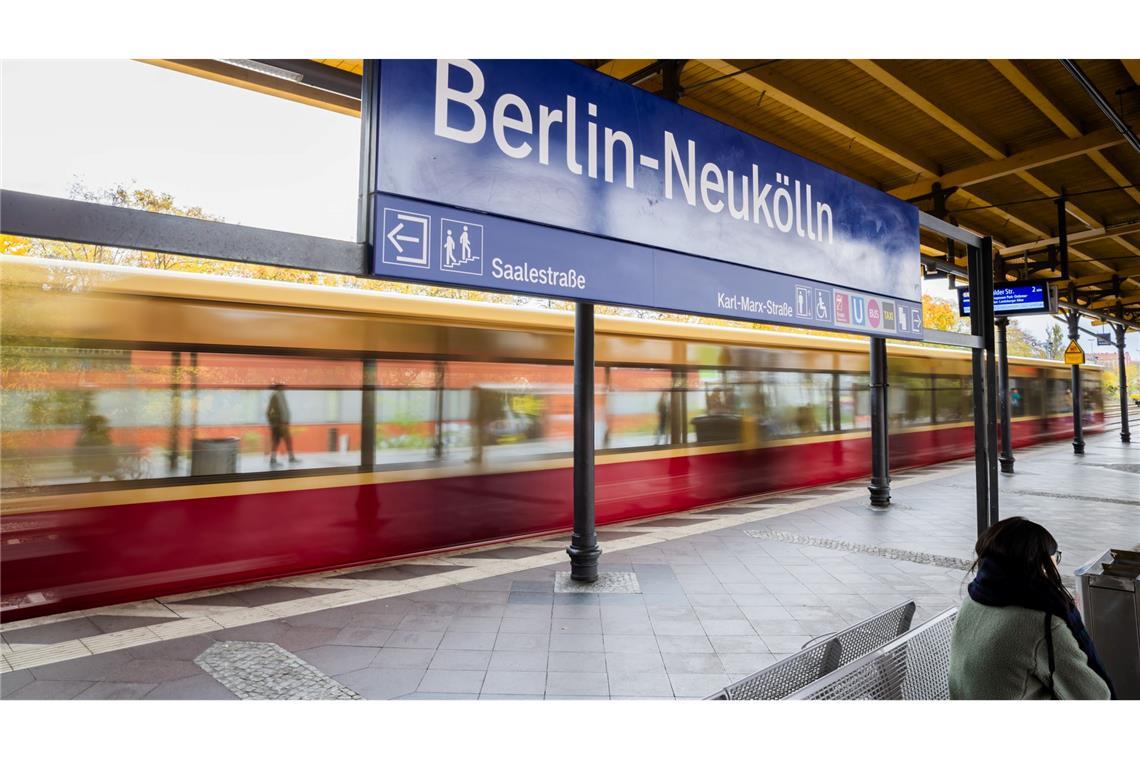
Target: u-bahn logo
[(858, 311)]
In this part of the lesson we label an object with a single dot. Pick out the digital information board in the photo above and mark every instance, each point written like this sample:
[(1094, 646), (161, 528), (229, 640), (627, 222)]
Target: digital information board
[(548, 178), (1017, 299)]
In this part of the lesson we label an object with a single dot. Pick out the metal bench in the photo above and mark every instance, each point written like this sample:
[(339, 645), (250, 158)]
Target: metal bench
[(916, 665), (818, 659)]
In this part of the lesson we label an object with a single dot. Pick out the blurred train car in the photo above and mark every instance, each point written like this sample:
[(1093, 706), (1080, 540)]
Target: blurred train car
[(136, 441)]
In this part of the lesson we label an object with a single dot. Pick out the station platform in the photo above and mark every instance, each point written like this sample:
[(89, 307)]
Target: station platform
[(688, 603)]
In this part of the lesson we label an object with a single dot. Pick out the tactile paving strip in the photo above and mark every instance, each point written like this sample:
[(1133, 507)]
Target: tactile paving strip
[(938, 560), (256, 670)]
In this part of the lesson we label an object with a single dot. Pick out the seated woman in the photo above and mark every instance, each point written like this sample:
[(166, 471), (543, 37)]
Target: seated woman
[(1019, 634)]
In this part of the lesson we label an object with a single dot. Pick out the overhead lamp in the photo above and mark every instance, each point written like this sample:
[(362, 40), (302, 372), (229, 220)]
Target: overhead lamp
[(263, 68)]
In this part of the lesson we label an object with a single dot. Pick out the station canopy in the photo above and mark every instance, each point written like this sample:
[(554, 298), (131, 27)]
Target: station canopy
[(988, 145)]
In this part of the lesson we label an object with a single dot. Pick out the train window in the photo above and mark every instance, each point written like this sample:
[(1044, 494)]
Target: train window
[(511, 411), (854, 402), (909, 400), (1060, 398), (79, 415), (795, 403), (639, 407), (952, 399), (1025, 396)]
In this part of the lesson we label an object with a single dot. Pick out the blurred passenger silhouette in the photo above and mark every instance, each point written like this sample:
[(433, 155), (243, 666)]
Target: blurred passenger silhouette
[(277, 414)]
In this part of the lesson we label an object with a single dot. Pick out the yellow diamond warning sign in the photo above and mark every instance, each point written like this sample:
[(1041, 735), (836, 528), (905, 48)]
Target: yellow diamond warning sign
[(1074, 354)]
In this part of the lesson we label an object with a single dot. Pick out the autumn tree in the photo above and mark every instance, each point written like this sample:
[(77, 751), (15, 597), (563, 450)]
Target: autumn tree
[(1055, 342)]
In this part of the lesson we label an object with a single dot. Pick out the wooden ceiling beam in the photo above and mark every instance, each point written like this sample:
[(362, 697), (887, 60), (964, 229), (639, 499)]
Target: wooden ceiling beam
[(1020, 78), (798, 98), (1132, 66), (1043, 155), (1125, 271), (1099, 233), (623, 67), (1113, 300)]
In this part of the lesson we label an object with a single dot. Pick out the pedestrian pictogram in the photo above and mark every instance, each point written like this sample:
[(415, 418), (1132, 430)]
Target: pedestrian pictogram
[(405, 238), (1074, 354), (461, 246)]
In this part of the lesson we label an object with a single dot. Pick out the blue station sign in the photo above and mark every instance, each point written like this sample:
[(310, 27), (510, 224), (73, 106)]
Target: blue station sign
[(547, 178), (1016, 299)]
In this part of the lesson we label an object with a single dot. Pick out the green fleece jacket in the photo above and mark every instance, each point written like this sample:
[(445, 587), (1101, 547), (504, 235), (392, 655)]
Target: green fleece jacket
[(1000, 653)]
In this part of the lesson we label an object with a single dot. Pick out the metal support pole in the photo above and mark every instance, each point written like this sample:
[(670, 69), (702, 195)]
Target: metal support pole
[(175, 411), (368, 416), (1125, 435), (880, 487), (583, 549), (1075, 391), (1006, 455), (977, 366), (987, 260)]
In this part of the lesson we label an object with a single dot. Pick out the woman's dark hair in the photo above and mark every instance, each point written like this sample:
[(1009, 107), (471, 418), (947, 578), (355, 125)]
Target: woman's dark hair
[(1023, 548)]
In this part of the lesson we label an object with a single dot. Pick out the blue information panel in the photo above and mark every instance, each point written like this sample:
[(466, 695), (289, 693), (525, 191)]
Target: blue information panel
[(1017, 299), (545, 177)]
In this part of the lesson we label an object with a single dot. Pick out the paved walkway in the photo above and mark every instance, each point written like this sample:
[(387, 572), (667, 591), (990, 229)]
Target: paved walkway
[(695, 601)]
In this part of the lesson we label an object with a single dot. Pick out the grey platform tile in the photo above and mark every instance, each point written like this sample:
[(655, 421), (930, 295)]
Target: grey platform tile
[(576, 625), (685, 644), (678, 628), (430, 623), (747, 663), (741, 644), (630, 643), (175, 649), (414, 639), (475, 625), (526, 625), (306, 637), (115, 623), (524, 661), (116, 690), (258, 670), (18, 679), (585, 611), (522, 642), (151, 671), (575, 599), (785, 644), (482, 610), (539, 587), (464, 640), (690, 686), (727, 627), (576, 642), (634, 662), (673, 522), (681, 662), (399, 572), (452, 681), (531, 597), (538, 611), (733, 511), (336, 659), (53, 633), (576, 662), (93, 668), (434, 696), (198, 687), (269, 631), (337, 617), (577, 684), (515, 682), (628, 627), (399, 658), (785, 627), (361, 636), (382, 683), (51, 690), (628, 684)]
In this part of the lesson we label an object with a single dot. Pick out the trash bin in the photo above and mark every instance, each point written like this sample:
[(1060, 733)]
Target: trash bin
[(214, 456), (1108, 594), (717, 428)]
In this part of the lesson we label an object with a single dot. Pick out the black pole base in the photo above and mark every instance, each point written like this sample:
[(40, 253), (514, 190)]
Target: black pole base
[(1078, 447), (880, 495), (1125, 438), (1006, 464), (584, 562)]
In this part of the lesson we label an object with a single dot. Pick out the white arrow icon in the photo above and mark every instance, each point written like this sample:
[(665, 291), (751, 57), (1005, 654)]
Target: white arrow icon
[(404, 244), (394, 236)]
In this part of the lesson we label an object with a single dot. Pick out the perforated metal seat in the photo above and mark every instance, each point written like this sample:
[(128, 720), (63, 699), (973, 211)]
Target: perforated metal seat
[(792, 673), (916, 665)]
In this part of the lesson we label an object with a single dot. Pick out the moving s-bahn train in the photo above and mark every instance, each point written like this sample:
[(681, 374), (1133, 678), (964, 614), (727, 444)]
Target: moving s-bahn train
[(170, 432)]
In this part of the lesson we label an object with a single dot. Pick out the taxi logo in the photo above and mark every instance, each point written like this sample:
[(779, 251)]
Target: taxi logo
[(889, 315), (873, 314), (858, 310), (842, 313)]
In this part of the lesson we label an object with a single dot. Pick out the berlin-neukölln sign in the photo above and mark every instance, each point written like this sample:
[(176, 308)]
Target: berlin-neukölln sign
[(547, 178)]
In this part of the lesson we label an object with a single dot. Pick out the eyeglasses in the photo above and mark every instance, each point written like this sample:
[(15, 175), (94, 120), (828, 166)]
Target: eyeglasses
[(1057, 557)]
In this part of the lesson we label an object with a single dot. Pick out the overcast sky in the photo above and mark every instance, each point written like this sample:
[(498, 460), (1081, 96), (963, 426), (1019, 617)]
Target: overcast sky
[(249, 158)]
